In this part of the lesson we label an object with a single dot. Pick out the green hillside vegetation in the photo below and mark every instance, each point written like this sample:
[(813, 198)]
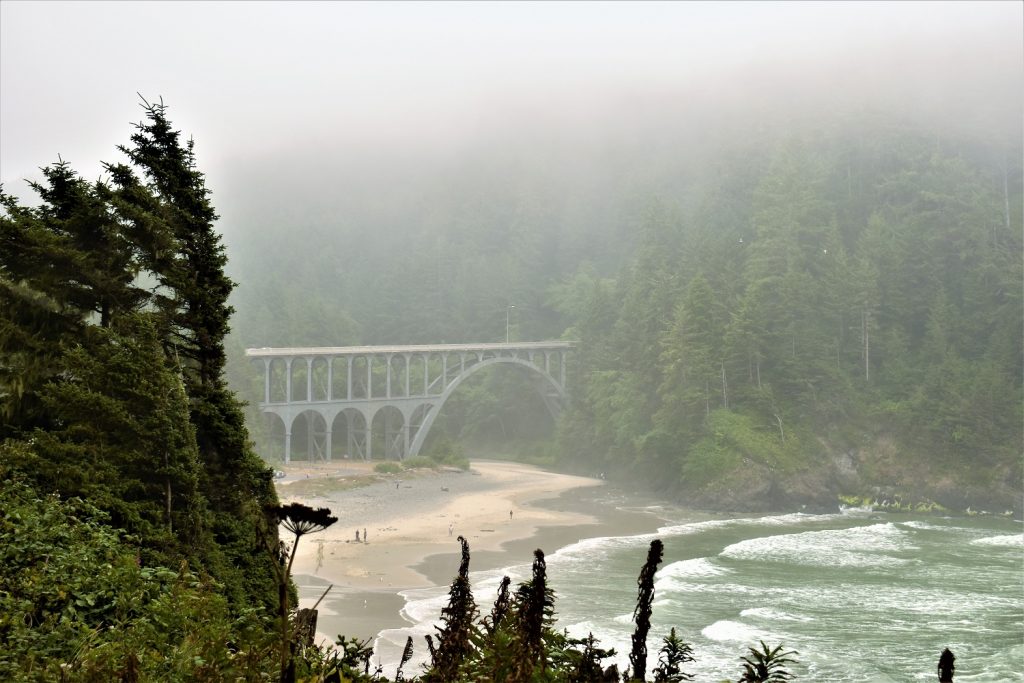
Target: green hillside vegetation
[(113, 313)]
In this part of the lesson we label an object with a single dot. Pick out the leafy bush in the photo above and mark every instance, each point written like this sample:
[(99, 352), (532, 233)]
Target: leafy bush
[(387, 467), (420, 461), (75, 605), (445, 451)]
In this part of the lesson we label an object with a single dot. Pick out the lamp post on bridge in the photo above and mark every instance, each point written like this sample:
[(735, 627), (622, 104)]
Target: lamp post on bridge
[(507, 310)]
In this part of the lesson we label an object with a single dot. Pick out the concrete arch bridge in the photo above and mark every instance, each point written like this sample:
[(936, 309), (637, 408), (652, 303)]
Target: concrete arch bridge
[(362, 401)]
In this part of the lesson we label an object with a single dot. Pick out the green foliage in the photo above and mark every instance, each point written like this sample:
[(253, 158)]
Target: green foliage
[(387, 467), (420, 461), (766, 665), (124, 441), (112, 325), (673, 655), (445, 451), (76, 605)]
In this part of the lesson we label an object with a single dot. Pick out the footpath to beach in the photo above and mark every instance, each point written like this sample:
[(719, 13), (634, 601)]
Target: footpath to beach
[(408, 524)]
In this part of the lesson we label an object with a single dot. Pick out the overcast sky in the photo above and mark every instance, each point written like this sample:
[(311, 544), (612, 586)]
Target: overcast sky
[(249, 80)]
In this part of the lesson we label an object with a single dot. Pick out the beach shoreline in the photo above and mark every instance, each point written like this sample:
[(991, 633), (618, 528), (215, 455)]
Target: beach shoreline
[(503, 509)]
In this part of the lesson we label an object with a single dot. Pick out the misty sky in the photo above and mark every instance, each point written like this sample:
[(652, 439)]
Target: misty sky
[(253, 80)]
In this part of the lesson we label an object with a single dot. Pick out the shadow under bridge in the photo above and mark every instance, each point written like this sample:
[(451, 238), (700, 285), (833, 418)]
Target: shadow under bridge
[(355, 401)]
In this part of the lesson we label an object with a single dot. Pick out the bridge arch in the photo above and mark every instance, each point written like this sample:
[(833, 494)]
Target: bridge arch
[(428, 420), (331, 397)]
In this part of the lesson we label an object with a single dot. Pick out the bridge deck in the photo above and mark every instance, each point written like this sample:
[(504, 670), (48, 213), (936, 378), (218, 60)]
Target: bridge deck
[(421, 348)]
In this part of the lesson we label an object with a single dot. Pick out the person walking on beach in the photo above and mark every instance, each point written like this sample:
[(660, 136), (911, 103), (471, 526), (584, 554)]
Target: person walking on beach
[(510, 515), (366, 536), (357, 535), (450, 527)]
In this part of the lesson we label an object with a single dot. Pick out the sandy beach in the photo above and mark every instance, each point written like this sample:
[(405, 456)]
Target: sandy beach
[(408, 525)]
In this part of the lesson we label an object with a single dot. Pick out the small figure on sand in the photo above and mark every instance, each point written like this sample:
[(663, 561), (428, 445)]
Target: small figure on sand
[(366, 536), (510, 514), (450, 527), (357, 535)]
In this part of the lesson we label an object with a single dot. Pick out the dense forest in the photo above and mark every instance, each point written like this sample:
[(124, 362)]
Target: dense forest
[(811, 309), (134, 513)]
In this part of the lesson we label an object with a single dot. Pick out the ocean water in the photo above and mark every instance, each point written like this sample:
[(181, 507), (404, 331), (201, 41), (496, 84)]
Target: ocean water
[(863, 597)]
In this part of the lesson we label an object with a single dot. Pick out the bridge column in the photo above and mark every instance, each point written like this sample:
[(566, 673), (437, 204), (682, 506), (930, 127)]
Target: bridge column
[(309, 380), (369, 377), (327, 441), (288, 380), (330, 378), (387, 387), (444, 371), (368, 455), (426, 374), (288, 445), (350, 450), (407, 357), (349, 376), (266, 379), (561, 369)]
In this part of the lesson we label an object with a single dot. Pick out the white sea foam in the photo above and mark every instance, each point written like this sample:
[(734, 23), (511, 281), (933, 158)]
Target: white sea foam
[(699, 567), (856, 547), (686, 574), (1007, 541), (773, 615), (732, 631), (918, 524), (624, 619)]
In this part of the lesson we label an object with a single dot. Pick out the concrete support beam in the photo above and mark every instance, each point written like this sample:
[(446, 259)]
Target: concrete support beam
[(309, 380), (330, 379), (288, 382), (349, 377)]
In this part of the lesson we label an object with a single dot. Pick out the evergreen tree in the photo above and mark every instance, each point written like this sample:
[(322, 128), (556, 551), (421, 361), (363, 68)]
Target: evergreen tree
[(123, 440), (194, 309)]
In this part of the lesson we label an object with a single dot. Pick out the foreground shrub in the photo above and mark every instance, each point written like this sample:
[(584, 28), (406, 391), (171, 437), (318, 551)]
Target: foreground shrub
[(75, 605)]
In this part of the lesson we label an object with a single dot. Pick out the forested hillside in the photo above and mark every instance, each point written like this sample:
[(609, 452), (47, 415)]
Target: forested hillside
[(134, 517), (769, 319), (841, 315)]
